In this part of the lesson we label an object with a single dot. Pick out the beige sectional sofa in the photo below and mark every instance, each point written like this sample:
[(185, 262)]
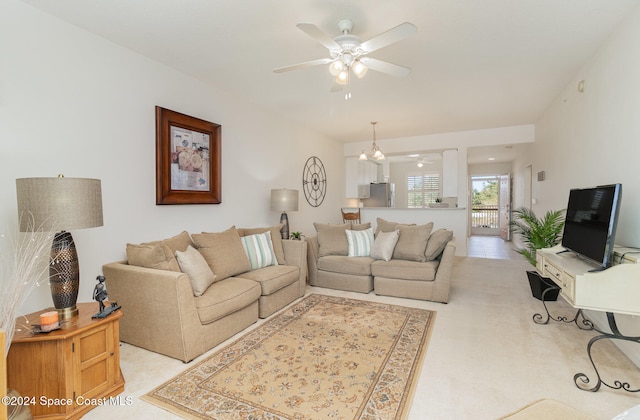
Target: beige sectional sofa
[(406, 261), (184, 295)]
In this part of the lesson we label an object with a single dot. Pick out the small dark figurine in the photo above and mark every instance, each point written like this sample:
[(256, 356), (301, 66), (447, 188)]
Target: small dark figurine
[(100, 294)]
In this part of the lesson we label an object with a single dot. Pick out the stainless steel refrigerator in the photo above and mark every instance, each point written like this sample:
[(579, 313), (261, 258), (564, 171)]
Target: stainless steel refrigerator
[(380, 195)]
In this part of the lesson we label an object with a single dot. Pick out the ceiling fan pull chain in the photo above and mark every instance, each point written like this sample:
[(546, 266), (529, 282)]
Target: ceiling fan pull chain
[(347, 95)]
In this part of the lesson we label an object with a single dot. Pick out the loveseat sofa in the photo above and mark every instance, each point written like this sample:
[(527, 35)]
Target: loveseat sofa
[(403, 260), (184, 295)]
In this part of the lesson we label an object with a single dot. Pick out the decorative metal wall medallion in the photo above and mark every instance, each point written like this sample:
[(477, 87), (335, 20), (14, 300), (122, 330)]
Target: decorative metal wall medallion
[(314, 181)]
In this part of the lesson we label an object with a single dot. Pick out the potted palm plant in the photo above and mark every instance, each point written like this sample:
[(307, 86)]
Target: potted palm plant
[(538, 233)]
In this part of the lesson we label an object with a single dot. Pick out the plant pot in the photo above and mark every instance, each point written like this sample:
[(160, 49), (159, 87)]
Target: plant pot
[(539, 284)]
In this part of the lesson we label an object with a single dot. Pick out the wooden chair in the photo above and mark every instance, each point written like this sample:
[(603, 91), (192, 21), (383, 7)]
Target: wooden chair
[(350, 216)]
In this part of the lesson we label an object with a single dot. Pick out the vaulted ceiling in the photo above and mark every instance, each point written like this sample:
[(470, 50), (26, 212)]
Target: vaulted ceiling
[(475, 63)]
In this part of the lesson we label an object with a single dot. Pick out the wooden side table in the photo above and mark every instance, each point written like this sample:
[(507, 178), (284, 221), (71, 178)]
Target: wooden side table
[(67, 372)]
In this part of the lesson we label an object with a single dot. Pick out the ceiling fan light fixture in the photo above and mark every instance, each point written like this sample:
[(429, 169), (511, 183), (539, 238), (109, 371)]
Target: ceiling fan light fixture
[(343, 77), (336, 67), (420, 163), (359, 69)]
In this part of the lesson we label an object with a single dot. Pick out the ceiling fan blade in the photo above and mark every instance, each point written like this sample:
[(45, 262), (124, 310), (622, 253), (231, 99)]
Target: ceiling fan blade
[(396, 34), (303, 65), (316, 33), (385, 67)]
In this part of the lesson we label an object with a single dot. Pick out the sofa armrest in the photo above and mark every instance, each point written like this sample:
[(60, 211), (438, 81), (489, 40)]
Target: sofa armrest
[(295, 252), (443, 275), (312, 259), (158, 307)]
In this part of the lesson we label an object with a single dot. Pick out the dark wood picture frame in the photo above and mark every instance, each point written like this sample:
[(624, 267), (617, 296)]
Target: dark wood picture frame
[(188, 159)]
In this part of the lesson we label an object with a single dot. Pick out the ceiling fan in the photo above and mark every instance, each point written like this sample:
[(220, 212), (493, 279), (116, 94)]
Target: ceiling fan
[(347, 52)]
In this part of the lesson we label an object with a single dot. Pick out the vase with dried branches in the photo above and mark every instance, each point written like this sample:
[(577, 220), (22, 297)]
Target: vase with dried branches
[(24, 264)]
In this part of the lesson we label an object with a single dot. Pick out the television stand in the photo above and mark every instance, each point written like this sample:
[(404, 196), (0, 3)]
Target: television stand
[(613, 291), (582, 380)]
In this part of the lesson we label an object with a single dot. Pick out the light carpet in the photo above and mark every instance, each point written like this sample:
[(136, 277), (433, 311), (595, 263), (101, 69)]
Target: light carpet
[(324, 357)]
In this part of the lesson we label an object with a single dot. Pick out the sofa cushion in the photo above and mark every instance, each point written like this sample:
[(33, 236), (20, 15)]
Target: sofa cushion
[(225, 297), (437, 241), (359, 226), (406, 270), (259, 249), (387, 226), (273, 278), (412, 242), (152, 258), (359, 266), (152, 255), (276, 239), (332, 239), (180, 242), (359, 242), (193, 263), (384, 245), (224, 252)]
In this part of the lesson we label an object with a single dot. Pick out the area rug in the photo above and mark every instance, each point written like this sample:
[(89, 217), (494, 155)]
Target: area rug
[(324, 357)]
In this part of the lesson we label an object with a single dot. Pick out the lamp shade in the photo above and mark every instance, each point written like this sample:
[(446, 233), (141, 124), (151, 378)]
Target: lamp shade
[(284, 200), (61, 203)]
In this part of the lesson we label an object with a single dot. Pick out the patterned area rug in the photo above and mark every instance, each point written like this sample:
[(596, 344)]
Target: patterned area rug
[(324, 357)]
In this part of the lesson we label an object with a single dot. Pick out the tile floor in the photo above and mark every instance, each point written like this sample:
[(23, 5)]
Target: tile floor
[(491, 247)]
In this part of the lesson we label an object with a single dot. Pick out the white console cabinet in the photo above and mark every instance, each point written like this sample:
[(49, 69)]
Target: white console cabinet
[(615, 289), (583, 285)]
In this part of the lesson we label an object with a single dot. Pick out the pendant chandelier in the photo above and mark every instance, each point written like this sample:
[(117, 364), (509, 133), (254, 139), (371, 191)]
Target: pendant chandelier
[(376, 153)]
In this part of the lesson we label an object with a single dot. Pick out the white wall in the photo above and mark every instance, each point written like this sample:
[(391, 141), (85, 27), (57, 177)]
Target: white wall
[(593, 138), (73, 103)]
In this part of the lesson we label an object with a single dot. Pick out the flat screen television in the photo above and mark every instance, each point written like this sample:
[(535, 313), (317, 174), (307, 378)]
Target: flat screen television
[(591, 221)]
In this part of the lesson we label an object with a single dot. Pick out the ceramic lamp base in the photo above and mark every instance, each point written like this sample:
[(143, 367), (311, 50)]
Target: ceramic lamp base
[(64, 275), (284, 221)]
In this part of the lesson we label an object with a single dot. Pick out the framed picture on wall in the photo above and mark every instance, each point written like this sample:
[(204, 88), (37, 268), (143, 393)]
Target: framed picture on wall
[(188, 159)]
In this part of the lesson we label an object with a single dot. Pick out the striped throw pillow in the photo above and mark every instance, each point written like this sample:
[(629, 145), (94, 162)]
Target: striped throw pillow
[(360, 242), (259, 249)]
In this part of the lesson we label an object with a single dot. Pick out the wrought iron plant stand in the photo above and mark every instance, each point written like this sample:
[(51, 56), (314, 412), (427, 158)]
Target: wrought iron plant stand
[(582, 380)]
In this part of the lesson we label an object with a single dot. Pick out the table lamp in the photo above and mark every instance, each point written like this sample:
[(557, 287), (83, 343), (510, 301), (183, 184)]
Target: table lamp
[(61, 204), (284, 200)]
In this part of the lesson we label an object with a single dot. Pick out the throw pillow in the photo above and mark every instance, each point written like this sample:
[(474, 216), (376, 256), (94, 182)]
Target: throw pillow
[(437, 241), (276, 239), (155, 255), (360, 242), (384, 245), (332, 239), (359, 226), (412, 242), (195, 266), (387, 226), (259, 250), (224, 252), (180, 242)]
